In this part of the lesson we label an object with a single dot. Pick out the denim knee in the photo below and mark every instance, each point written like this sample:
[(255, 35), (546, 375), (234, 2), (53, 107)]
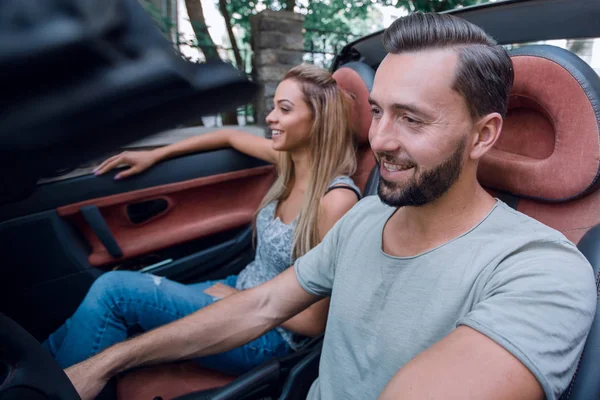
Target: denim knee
[(104, 288)]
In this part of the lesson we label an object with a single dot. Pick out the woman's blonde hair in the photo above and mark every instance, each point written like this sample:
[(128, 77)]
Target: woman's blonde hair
[(333, 151)]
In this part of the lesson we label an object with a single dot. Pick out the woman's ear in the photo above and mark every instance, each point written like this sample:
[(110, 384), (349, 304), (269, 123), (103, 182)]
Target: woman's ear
[(486, 133)]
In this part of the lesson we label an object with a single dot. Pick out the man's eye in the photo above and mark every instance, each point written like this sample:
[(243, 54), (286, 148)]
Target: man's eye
[(411, 121), (375, 111)]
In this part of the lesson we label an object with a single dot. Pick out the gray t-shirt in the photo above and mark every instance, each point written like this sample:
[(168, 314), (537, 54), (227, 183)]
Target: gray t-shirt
[(515, 280)]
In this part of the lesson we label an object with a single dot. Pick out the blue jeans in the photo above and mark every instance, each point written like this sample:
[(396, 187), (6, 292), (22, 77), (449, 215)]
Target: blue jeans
[(123, 303)]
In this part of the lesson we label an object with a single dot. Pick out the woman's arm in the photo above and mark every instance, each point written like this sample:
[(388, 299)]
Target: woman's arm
[(311, 322), (139, 161), (244, 142)]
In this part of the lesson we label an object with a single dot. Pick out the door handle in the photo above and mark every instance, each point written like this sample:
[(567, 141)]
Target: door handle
[(143, 211), (96, 221)]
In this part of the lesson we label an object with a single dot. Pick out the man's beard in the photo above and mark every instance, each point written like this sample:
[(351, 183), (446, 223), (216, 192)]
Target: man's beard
[(424, 188)]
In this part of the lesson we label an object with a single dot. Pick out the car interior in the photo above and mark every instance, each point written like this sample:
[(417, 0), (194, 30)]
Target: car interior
[(185, 219)]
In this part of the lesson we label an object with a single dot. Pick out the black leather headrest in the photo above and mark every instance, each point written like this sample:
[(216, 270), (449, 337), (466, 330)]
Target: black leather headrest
[(585, 383)]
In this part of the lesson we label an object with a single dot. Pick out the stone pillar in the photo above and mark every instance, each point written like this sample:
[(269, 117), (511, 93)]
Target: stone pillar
[(278, 45)]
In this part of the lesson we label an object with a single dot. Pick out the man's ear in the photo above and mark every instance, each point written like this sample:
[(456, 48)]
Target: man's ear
[(486, 132)]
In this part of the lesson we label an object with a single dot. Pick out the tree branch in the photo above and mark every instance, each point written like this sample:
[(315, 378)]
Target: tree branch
[(290, 4), (205, 41), (236, 51)]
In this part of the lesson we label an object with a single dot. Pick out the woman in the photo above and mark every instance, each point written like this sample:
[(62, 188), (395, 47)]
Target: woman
[(313, 148)]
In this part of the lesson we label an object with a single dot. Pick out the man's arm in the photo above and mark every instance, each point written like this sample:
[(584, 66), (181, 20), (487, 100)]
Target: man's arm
[(334, 205), (464, 365), (224, 325), (310, 322), (520, 340)]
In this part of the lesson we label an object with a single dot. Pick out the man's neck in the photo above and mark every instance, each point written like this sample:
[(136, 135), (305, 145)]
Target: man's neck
[(414, 230)]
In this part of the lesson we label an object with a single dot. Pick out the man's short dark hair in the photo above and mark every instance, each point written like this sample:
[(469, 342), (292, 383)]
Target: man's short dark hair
[(484, 75)]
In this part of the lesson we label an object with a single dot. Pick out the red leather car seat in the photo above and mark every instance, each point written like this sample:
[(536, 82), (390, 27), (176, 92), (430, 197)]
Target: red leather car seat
[(546, 164), (357, 78), (548, 154)]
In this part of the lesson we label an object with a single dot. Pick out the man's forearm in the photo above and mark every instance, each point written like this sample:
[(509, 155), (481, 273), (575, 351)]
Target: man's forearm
[(310, 322), (224, 325)]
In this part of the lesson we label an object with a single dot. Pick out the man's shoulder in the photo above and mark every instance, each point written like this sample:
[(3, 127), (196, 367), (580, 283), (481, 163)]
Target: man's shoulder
[(372, 204), (533, 246), (513, 222), (368, 206), (362, 217)]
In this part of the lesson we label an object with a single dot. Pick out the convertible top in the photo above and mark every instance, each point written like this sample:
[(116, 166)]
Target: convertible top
[(507, 21), (81, 78)]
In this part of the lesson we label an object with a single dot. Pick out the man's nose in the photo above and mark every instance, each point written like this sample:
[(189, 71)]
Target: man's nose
[(383, 137)]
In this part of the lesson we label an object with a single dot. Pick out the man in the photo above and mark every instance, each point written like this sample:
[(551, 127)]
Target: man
[(438, 290)]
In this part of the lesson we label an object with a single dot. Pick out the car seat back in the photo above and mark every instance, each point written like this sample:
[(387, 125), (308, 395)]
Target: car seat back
[(357, 79), (546, 164)]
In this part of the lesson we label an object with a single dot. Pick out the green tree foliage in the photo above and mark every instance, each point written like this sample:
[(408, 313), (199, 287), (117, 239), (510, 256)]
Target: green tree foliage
[(163, 22), (430, 5), (327, 22), (325, 15), (330, 21), (332, 24)]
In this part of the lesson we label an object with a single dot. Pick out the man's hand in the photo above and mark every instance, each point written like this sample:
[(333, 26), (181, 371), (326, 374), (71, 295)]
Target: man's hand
[(88, 377), (220, 290)]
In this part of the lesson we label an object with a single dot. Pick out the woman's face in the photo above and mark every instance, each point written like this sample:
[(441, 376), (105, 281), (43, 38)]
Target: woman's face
[(291, 119)]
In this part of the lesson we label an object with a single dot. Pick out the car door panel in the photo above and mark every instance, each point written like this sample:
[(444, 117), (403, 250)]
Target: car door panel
[(45, 271), (57, 194), (193, 222), (196, 209), (211, 261)]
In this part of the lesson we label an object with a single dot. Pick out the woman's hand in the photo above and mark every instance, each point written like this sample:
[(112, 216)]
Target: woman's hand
[(137, 161), (220, 290)]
